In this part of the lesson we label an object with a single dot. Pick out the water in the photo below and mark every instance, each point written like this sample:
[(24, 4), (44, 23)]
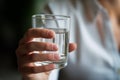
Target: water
[(62, 40)]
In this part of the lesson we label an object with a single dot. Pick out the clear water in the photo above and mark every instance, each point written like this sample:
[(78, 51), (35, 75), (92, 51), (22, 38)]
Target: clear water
[(62, 40)]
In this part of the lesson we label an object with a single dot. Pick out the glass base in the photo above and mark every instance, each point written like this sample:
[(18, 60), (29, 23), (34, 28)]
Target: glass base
[(57, 65)]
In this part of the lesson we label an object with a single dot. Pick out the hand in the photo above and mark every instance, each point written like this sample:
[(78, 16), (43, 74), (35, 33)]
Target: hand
[(26, 58)]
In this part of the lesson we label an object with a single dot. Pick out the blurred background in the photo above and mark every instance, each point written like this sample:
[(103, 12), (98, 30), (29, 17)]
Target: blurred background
[(15, 19)]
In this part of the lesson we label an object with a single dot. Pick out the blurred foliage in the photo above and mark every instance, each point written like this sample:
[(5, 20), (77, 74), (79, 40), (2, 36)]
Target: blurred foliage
[(38, 6)]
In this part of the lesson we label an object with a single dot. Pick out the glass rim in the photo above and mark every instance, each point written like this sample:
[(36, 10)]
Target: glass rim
[(61, 17)]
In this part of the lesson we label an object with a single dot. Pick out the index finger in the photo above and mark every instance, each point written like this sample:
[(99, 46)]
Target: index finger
[(37, 33)]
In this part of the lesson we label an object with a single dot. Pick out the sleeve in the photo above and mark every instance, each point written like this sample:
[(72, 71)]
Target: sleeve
[(54, 74)]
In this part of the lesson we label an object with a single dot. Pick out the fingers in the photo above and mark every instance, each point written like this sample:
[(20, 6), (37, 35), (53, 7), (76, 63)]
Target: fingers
[(23, 60), (26, 57), (27, 46), (72, 47), (41, 57), (36, 33), (36, 46), (36, 69)]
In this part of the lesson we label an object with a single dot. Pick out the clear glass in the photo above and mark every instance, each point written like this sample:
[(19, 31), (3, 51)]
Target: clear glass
[(61, 25)]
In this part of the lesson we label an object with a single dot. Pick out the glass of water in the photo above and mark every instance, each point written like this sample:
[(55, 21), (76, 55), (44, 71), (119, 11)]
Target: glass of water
[(60, 24)]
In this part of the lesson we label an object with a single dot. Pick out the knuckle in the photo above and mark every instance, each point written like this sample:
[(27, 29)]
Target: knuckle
[(29, 46), (50, 33), (34, 70), (48, 68), (50, 56), (51, 46), (47, 45), (33, 57)]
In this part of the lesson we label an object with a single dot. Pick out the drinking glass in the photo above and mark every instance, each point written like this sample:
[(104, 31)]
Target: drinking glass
[(60, 24)]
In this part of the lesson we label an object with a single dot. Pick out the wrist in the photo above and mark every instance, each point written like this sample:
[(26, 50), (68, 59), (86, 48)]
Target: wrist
[(38, 76)]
